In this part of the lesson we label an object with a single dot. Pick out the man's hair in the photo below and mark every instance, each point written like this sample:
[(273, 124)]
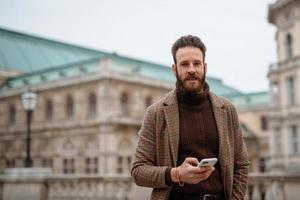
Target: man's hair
[(188, 41)]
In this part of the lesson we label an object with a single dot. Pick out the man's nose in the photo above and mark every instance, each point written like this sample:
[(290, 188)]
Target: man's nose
[(191, 68)]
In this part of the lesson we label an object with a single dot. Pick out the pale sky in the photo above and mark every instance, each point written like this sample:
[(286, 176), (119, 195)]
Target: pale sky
[(240, 42)]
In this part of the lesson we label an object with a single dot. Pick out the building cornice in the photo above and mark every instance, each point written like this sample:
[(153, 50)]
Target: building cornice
[(276, 7), (78, 125), (106, 75)]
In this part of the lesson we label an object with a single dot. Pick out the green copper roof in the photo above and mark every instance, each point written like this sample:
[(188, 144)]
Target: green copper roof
[(52, 74), (42, 60), (26, 53), (254, 98)]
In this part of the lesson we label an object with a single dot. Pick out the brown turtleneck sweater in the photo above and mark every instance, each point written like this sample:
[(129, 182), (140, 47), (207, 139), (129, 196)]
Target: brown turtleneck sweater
[(198, 138)]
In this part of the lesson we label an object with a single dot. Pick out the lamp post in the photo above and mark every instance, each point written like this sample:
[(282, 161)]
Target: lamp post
[(29, 101)]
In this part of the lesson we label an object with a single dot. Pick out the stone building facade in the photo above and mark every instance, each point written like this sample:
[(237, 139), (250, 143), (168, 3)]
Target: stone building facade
[(253, 111), (284, 76), (284, 111)]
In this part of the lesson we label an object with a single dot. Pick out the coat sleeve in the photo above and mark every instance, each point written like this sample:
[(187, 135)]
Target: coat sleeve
[(144, 170), (241, 161)]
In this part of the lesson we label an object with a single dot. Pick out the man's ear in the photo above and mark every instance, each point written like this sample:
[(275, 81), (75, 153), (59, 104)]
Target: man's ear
[(174, 69)]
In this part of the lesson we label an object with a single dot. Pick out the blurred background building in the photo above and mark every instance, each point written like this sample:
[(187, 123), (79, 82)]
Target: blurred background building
[(284, 112), (90, 105)]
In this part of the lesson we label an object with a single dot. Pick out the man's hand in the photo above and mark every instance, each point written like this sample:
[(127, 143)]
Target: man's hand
[(188, 172)]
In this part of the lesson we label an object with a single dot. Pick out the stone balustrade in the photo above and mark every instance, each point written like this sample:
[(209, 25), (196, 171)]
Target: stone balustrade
[(65, 187), (91, 187), (273, 186), (262, 186)]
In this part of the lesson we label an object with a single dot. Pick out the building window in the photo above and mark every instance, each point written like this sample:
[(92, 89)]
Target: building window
[(129, 160), (277, 141), (289, 46), (69, 165), (124, 103), (274, 87), (12, 114), (294, 140), (120, 165), (264, 123), (49, 109), (148, 101), (262, 165), (47, 163), (274, 90), (10, 163), (291, 91), (70, 107), (263, 195), (91, 165), (92, 105), (250, 191), (123, 164)]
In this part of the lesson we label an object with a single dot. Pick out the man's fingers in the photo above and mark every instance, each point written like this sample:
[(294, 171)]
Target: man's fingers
[(205, 169), (192, 161), (204, 175), (194, 178)]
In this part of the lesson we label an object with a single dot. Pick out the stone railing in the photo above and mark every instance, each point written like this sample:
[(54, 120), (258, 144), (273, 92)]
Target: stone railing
[(83, 187), (273, 186), (262, 186), (39, 184)]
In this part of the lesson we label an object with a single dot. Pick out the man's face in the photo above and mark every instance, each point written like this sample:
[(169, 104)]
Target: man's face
[(190, 69)]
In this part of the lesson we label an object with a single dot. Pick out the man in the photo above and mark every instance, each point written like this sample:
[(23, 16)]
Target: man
[(189, 124)]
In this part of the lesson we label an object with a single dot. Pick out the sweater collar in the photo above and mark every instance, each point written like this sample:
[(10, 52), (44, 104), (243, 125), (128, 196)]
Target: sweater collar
[(194, 99)]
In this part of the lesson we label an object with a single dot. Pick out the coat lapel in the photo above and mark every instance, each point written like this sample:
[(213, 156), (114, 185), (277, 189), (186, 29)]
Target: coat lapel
[(222, 126), (172, 120)]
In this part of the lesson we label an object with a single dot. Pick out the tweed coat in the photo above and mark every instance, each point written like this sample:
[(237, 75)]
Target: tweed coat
[(157, 147)]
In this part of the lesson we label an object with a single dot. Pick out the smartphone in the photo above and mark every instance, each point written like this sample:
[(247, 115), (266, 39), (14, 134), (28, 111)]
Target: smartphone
[(206, 162)]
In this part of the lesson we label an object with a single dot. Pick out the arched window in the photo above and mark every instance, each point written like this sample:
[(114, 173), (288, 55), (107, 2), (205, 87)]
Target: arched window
[(124, 103), (289, 46), (92, 105), (264, 123), (124, 159), (148, 101), (70, 107), (12, 114), (47, 162), (91, 165), (49, 109), (11, 163), (291, 91), (69, 165)]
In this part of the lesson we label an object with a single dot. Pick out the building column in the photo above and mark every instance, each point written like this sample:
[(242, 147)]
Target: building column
[(104, 148), (256, 192), (276, 191)]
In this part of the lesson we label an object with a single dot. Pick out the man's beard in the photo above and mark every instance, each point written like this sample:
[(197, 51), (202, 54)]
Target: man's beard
[(184, 89)]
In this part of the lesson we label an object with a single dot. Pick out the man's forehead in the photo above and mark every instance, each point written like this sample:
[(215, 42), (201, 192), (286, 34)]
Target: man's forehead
[(188, 52)]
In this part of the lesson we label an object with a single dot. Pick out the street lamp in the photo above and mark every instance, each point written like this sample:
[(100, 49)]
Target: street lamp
[(29, 101)]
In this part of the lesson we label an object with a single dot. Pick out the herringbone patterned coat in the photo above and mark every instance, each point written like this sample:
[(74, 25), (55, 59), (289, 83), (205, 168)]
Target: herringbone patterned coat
[(158, 141)]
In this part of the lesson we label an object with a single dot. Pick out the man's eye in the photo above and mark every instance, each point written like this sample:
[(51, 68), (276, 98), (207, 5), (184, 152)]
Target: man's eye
[(184, 64)]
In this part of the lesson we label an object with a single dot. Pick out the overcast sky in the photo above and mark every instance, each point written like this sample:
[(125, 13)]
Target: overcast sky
[(240, 41)]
